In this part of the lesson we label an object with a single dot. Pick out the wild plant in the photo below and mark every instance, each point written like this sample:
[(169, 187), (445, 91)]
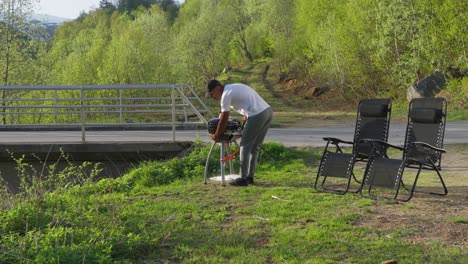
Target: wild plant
[(38, 177)]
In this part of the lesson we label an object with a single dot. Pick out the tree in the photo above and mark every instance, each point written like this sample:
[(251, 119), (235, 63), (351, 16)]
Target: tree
[(105, 4), (139, 49), (278, 17), (201, 48), (79, 47), (130, 5), (242, 21), (21, 43)]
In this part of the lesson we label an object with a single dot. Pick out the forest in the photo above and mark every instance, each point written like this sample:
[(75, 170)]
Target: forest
[(357, 48)]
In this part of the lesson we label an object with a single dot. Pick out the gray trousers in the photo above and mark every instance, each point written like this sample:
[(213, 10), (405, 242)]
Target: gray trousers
[(255, 130)]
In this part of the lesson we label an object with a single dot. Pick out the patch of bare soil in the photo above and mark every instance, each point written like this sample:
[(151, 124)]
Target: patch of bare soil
[(428, 218)]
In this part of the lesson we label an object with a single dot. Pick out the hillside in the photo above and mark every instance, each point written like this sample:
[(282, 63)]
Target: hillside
[(298, 102), (291, 99)]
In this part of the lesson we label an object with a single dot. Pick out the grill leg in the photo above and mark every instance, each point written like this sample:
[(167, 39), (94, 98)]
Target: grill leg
[(208, 161), (231, 167), (223, 163)]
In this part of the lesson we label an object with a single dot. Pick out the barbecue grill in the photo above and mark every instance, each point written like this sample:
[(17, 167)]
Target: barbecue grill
[(231, 134)]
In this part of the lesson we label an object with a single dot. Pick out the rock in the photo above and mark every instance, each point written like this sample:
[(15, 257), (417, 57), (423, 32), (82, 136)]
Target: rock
[(226, 69), (457, 72), (427, 87), (318, 91)]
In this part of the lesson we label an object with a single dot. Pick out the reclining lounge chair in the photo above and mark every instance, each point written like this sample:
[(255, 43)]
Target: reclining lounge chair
[(372, 122), (422, 150)]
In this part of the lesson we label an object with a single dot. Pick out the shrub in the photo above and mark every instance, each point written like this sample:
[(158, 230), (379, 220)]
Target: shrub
[(273, 152), (456, 93)]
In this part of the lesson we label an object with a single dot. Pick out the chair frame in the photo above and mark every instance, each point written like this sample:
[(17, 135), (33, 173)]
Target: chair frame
[(407, 161), (356, 157)]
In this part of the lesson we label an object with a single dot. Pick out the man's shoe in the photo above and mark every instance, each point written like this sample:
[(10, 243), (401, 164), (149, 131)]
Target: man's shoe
[(239, 182), (250, 180)]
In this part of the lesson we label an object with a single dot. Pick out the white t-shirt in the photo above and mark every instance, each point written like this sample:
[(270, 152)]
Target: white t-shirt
[(242, 99)]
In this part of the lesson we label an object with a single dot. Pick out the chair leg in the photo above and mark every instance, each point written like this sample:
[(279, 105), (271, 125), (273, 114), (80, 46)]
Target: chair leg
[(403, 185), (440, 178), (318, 174), (324, 189), (320, 166), (356, 180), (441, 181), (340, 192), (414, 185), (375, 197), (369, 193), (322, 185)]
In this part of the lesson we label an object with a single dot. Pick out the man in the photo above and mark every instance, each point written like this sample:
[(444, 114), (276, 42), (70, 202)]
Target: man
[(257, 115)]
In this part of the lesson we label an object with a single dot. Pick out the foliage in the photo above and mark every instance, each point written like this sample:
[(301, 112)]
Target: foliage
[(361, 48), (456, 93), (373, 48)]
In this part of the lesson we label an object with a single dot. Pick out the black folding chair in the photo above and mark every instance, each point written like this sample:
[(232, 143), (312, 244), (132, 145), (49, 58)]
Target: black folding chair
[(372, 122), (422, 150)]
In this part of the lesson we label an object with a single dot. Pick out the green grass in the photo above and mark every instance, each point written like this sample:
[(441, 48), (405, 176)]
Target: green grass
[(162, 212), (459, 220)]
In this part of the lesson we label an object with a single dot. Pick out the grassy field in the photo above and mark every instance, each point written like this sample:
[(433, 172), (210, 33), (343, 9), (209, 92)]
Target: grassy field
[(162, 212)]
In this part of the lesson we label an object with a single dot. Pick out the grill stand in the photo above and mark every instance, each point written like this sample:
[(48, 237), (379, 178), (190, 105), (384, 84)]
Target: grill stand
[(225, 146)]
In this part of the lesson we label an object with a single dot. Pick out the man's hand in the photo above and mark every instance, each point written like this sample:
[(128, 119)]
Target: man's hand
[(223, 121), (214, 137)]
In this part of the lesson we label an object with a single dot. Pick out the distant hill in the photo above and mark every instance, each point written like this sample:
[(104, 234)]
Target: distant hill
[(49, 22), (48, 19)]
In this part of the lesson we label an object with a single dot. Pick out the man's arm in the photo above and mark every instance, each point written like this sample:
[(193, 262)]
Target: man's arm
[(223, 121)]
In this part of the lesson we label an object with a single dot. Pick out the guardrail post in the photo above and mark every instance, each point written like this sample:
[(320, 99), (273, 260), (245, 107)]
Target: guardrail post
[(173, 113), (55, 107), (120, 107), (83, 117)]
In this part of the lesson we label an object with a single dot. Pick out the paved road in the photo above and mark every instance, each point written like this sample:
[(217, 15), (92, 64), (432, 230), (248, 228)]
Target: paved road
[(456, 133)]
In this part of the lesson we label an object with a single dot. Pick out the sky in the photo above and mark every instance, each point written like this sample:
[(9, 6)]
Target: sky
[(67, 8)]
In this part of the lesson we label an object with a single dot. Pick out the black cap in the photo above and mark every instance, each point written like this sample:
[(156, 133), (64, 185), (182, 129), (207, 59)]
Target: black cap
[(211, 85)]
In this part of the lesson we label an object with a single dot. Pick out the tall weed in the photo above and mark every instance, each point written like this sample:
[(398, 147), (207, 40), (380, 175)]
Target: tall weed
[(35, 181)]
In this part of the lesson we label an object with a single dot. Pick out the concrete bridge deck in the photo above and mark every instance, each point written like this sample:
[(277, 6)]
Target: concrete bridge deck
[(456, 133)]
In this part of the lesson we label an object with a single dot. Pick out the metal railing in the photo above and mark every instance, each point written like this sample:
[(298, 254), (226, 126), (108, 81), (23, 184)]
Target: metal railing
[(87, 107)]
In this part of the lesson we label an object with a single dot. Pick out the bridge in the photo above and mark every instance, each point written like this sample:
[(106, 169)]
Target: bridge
[(90, 108), (41, 124)]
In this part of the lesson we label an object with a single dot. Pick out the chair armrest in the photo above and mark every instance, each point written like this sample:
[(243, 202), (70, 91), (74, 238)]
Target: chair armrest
[(424, 144), (380, 142), (336, 141)]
